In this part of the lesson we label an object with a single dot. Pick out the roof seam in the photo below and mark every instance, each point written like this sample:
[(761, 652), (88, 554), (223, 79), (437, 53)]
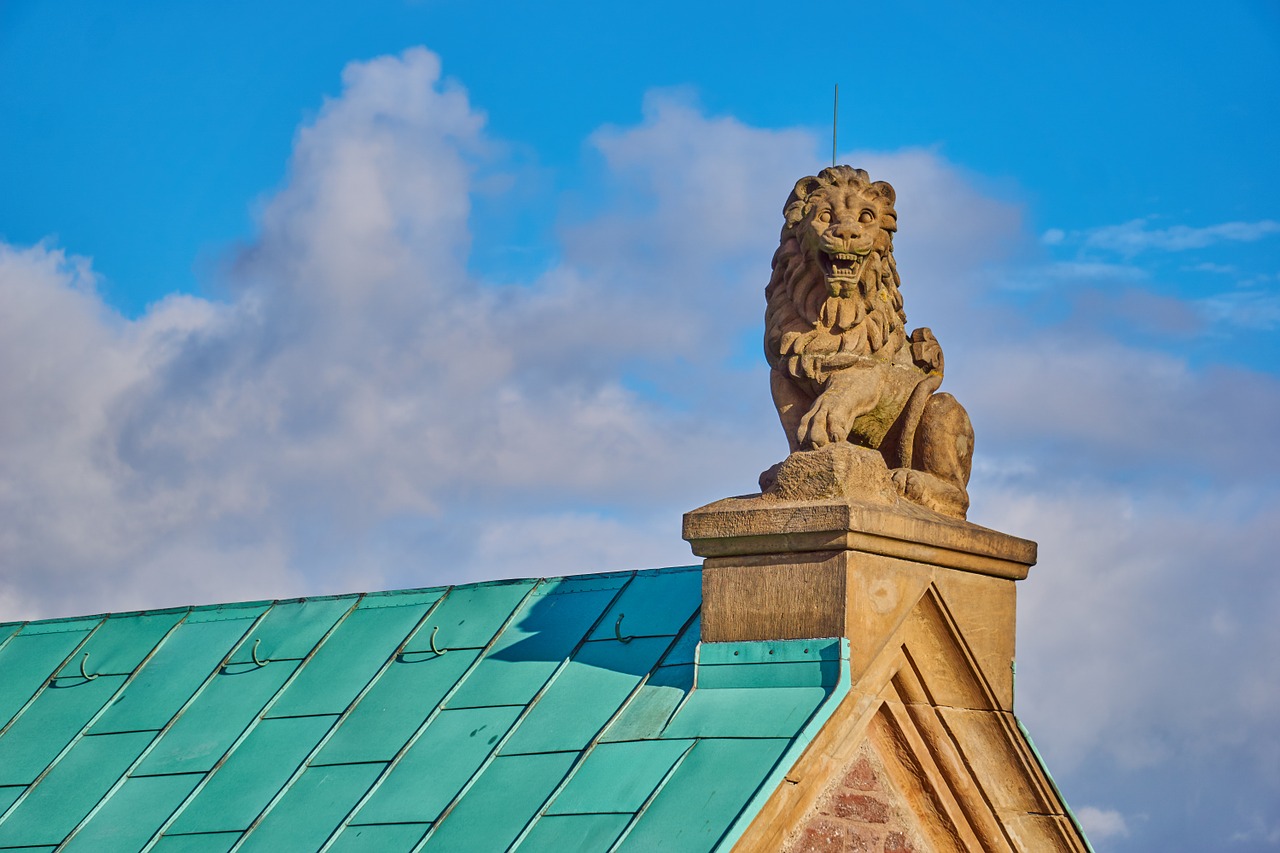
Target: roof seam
[(315, 750), (595, 740), (128, 773), (218, 670), (68, 625), (688, 624), (489, 759), (790, 755), (44, 685), (684, 700), (17, 629), (253, 724), (653, 795), (431, 716), (93, 719), (268, 602), (662, 662), (4, 815)]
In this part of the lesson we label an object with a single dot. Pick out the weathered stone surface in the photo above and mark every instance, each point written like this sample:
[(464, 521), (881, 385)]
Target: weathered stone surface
[(753, 524), (844, 370), (790, 569), (869, 599), (836, 471), (797, 596)]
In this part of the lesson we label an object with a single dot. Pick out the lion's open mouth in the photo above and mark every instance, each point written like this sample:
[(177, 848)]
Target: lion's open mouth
[(842, 268)]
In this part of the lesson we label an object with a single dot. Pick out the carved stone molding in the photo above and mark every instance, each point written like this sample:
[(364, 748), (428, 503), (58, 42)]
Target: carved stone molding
[(921, 756)]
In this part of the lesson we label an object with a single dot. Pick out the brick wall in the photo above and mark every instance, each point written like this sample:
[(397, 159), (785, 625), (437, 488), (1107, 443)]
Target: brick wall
[(859, 813)]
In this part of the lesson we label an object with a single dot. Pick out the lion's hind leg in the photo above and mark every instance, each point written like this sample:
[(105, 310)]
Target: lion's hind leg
[(944, 441), (941, 458)]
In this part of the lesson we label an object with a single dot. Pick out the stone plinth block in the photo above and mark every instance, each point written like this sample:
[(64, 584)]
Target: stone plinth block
[(778, 569), (753, 525)]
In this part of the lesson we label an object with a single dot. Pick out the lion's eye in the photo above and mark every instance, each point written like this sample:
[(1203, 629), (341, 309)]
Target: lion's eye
[(824, 216), (867, 216)]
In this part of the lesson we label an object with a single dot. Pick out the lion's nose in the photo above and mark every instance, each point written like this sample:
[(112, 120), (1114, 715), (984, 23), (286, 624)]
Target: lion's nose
[(846, 229)]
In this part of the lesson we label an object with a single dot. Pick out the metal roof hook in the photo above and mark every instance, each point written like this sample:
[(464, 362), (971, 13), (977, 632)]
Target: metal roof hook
[(86, 676), (435, 650), (617, 630), (254, 654)]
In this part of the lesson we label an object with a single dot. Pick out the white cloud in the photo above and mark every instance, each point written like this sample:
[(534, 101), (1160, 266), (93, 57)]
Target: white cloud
[(1068, 273), (1117, 410), (1262, 831), (1249, 309), (1100, 824), (359, 388), (1124, 612), (1135, 236)]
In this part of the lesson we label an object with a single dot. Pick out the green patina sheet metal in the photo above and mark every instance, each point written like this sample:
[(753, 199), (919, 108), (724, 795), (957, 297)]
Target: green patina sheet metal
[(535, 715)]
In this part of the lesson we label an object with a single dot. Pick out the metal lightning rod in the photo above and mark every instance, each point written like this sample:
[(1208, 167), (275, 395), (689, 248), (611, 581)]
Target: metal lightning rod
[(835, 120)]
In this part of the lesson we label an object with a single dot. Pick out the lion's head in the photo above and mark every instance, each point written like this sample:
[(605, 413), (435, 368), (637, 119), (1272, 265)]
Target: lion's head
[(835, 286)]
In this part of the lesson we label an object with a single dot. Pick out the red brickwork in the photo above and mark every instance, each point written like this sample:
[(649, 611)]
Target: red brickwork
[(860, 813)]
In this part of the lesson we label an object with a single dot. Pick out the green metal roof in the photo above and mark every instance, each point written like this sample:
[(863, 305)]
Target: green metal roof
[(552, 714)]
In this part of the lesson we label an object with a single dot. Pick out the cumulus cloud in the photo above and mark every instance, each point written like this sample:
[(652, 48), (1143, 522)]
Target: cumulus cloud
[(358, 387), (1127, 410), (360, 411)]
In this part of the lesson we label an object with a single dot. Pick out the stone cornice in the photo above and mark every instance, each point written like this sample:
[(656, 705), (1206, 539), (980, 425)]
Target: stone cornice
[(755, 525)]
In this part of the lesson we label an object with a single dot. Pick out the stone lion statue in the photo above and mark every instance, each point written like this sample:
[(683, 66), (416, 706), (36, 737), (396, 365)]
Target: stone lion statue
[(844, 368)]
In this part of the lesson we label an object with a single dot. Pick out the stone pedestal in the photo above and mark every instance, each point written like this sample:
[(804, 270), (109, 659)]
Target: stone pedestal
[(785, 569)]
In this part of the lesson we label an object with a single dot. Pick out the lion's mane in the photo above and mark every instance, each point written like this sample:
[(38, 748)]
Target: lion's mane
[(805, 325)]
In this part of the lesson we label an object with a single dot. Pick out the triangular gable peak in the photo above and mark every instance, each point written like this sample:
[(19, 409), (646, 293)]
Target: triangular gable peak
[(918, 756)]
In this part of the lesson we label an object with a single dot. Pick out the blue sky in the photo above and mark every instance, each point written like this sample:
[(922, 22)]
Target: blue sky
[(167, 122), (305, 298)]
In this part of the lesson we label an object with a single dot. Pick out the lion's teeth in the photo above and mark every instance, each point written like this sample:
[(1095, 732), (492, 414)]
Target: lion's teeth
[(843, 264)]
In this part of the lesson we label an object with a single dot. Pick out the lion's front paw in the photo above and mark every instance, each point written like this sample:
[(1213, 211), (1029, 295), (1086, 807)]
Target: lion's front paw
[(830, 420)]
